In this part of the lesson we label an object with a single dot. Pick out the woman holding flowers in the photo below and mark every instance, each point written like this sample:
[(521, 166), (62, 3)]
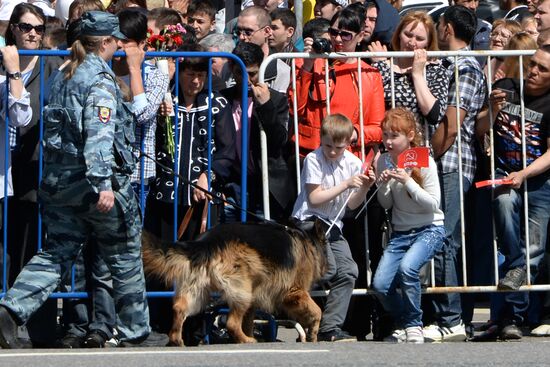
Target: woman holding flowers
[(191, 159), (196, 149)]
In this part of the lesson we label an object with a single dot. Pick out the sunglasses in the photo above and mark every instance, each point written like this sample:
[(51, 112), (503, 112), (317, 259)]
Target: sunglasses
[(246, 32), (26, 28), (344, 35)]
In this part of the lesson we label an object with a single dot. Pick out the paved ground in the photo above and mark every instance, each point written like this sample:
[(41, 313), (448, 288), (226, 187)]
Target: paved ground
[(528, 352)]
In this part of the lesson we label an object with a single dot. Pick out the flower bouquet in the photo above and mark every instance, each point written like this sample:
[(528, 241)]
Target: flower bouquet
[(169, 39)]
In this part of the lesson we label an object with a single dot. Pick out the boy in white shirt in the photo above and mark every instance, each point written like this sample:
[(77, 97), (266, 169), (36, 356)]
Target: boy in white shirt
[(331, 174)]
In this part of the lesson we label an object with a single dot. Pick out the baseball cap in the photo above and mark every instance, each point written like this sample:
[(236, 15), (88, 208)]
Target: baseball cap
[(100, 23)]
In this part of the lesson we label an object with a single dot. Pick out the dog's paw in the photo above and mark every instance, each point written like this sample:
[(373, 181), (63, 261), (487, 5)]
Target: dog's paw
[(247, 339), (175, 343)]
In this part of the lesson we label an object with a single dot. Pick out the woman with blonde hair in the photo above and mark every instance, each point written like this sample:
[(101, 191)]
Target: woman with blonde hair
[(85, 189), (421, 85), (510, 67), (503, 30), (529, 26)]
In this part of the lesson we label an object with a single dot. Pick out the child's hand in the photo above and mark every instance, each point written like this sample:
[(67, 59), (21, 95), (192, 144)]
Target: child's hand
[(399, 175), (355, 181), (385, 175), (369, 178)]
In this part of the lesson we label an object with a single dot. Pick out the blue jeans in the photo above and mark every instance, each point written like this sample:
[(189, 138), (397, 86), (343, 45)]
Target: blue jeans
[(447, 307), (400, 265), (509, 226)]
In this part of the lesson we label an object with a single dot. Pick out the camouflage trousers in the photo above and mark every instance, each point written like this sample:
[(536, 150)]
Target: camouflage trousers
[(118, 239)]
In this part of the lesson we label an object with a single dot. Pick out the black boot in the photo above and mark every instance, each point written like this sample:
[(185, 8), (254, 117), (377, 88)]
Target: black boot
[(8, 330)]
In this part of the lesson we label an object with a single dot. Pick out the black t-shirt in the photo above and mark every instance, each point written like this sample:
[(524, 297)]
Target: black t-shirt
[(507, 127)]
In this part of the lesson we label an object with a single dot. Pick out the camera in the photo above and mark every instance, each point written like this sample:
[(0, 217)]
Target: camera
[(321, 46)]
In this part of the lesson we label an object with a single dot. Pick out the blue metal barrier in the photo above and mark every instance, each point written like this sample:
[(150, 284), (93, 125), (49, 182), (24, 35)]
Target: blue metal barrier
[(176, 55)]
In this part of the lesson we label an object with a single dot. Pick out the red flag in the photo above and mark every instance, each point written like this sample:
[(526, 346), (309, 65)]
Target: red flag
[(368, 161), (417, 157), (499, 181)]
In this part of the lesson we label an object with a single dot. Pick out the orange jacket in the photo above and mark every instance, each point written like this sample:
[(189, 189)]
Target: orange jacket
[(344, 90)]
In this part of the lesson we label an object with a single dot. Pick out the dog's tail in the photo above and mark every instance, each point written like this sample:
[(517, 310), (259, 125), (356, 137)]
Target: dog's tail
[(155, 256)]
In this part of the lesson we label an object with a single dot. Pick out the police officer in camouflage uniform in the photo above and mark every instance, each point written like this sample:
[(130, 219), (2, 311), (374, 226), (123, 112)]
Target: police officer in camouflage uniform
[(85, 189)]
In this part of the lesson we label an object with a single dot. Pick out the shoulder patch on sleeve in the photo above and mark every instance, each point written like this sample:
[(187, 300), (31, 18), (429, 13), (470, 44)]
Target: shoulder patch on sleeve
[(104, 114)]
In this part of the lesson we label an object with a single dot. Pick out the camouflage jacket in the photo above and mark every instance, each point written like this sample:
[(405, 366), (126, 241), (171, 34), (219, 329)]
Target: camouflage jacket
[(88, 131)]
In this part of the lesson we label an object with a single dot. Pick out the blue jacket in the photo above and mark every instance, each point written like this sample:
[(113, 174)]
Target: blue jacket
[(88, 130)]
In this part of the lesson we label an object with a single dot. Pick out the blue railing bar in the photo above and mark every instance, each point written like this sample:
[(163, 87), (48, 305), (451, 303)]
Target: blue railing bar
[(7, 149), (176, 148), (142, 159), (244, 141), (64, 53), (40, 147), (148, 54), (65, 295), (209, 134)]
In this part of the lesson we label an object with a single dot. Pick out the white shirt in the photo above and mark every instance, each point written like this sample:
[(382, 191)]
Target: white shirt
[(319, 171), (20, 114)]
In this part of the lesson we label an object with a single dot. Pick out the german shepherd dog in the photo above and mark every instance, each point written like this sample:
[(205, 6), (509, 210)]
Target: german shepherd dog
[(252, 266)]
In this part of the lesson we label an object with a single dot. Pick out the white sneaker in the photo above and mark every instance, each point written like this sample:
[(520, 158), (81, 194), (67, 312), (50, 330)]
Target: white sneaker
[(114, 341), (414, 335), (541, 330), (398, 336), (435, 333)]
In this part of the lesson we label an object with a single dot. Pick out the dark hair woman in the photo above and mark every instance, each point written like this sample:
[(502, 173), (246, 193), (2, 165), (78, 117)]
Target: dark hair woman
[(345, 32), (25, 31)]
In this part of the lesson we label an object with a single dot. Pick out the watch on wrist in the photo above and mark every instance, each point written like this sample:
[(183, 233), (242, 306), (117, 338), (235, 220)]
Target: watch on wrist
[(14, 76)]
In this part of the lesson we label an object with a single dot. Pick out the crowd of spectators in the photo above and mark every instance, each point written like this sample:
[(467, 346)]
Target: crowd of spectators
[(183, 127)]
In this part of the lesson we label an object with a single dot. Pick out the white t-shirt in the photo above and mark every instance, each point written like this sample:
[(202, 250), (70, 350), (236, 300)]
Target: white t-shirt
[(319, 171)]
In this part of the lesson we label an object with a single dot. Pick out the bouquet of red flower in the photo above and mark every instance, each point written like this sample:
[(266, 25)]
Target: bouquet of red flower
[(169, 39)]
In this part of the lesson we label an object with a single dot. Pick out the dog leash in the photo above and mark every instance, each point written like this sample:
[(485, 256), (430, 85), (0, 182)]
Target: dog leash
[(214, 194)]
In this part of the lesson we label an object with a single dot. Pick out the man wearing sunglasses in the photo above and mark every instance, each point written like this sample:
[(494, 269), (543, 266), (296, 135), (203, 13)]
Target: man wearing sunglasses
[(254, 26)]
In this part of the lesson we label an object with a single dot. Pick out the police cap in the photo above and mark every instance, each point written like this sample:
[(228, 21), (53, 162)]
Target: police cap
[(100, 23)]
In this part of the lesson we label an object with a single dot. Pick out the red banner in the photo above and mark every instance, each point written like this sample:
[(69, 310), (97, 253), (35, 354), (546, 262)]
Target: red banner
[(497, 182), (417, 157)]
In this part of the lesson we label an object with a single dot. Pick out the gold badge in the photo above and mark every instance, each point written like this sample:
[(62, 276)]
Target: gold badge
[(104, 114)]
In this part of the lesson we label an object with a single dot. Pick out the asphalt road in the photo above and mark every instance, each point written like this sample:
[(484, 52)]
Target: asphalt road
[(530, 352)]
